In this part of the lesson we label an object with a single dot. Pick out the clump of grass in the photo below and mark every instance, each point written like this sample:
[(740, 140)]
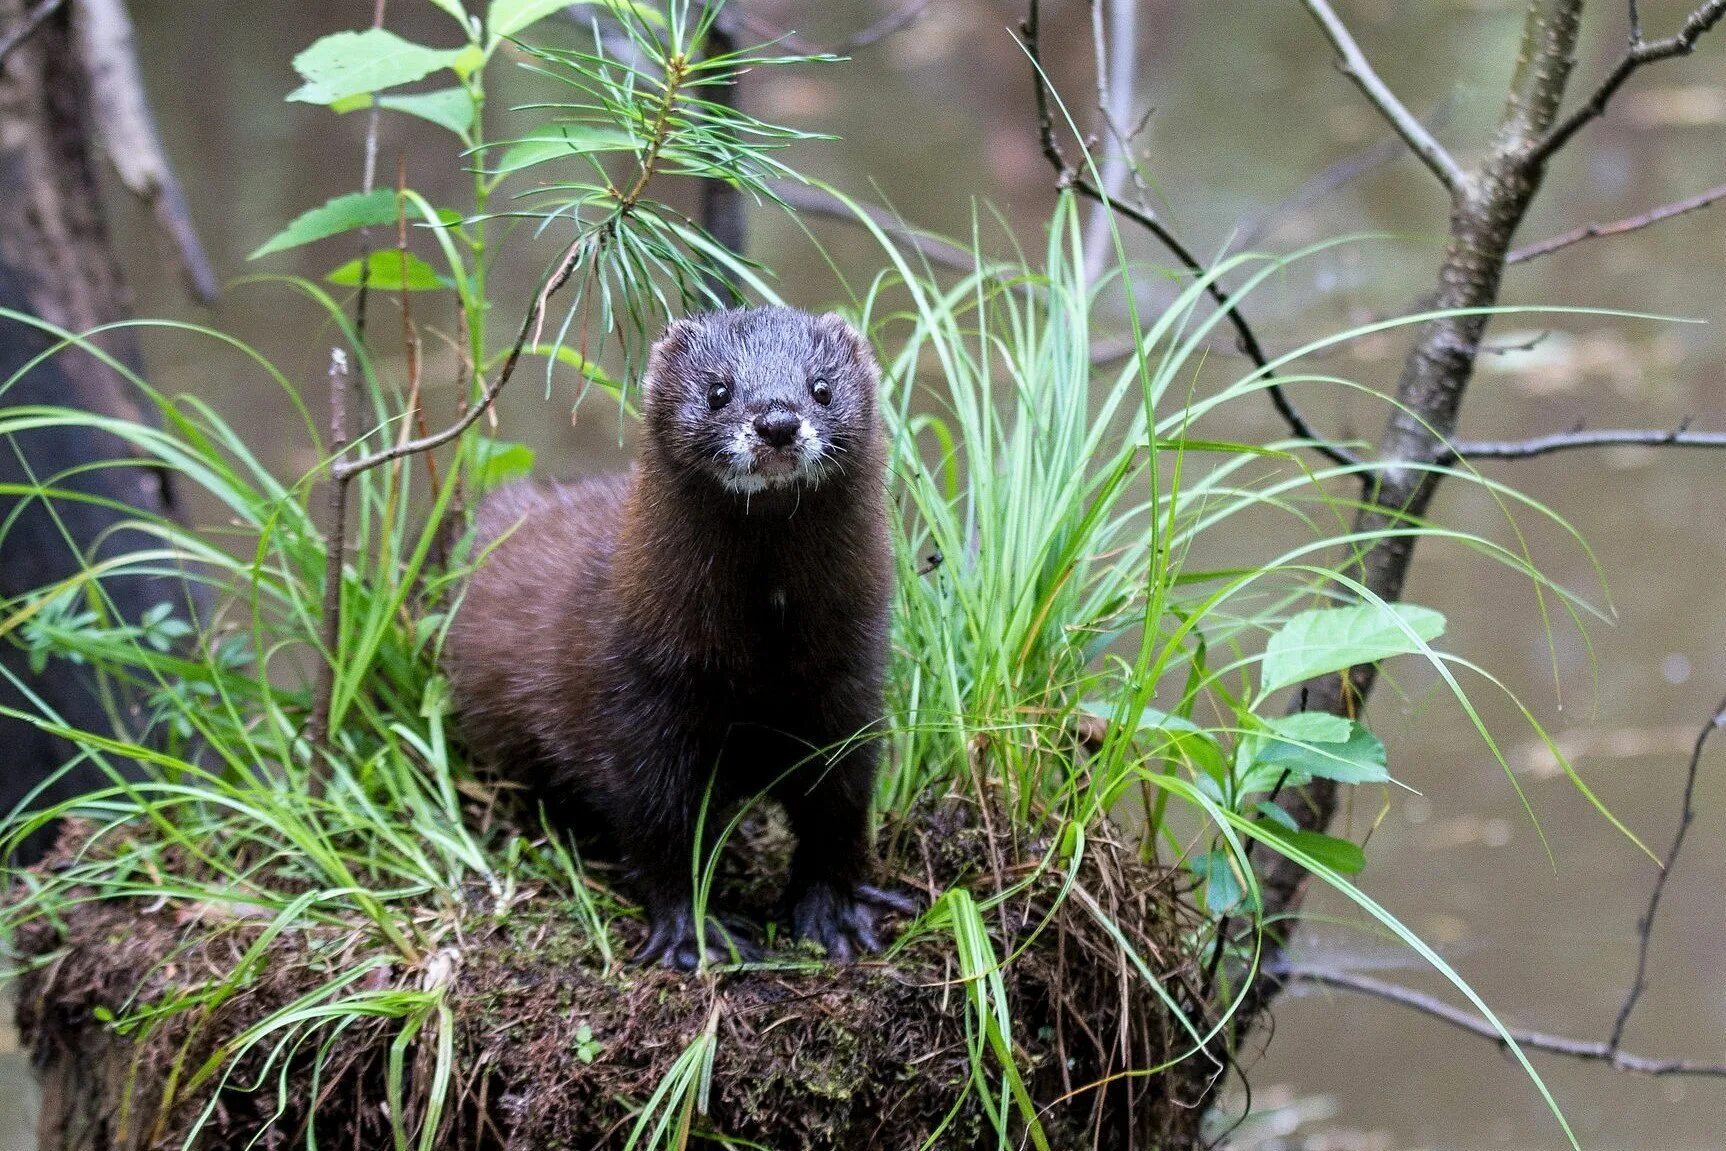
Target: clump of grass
[(1087, 726)]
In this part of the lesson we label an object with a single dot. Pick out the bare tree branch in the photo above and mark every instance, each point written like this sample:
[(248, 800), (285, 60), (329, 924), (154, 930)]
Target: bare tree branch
[(335, 549), (1070, 177), (342, 470), (818, 201), (1595, 1050), (1617, 227), (33, 20), (897, 20), (1679, 437), (1610, 1051), (1645, 925), (1354, 65), (1640, 52), (102, 38)]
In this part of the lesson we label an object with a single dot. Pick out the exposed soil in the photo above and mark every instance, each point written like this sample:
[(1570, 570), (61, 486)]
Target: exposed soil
[(552, 1048)]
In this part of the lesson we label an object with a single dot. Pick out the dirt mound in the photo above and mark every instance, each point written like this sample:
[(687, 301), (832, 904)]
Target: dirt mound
[(549, 1046)]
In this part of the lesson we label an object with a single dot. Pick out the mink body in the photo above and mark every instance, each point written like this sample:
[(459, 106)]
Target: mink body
[(718, 613)]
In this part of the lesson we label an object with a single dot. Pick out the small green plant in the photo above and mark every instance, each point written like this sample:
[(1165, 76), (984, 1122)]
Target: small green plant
[(1065, 658)]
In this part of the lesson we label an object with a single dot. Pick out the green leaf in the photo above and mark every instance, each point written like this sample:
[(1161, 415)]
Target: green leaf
[(342, 214), (1326, 640), (450, 108), (1223, 890), (562, 141), (1274, 814), (384, 272), (1316, 744), (349, 63), (454, 8), (1340, 855), (497, 462), (507, 17)]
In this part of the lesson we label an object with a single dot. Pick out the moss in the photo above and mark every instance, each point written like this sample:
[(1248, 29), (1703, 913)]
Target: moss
[(553, 1050)]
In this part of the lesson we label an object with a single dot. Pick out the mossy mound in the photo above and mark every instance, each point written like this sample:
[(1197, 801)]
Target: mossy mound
[(551, 1047)]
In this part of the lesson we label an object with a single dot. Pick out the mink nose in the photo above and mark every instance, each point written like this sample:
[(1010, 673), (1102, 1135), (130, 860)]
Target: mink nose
[(778, 427)]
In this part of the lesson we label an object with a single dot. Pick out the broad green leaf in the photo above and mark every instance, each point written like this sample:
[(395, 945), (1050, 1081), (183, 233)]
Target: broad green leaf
[(454, 8), (450, 108), (1326, 640), (1172, 736), (1275, 814), (349, 63), (1223, 890), (1319, 745), (1340, 855), (342, 214), (384, 272), (497, 462)]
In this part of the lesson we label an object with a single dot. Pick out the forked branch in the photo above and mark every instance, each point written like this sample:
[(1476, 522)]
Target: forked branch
[(1639, 54), (1354, 64)]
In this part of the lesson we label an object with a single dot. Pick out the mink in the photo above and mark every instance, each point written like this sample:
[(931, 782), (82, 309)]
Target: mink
[(712, 626)]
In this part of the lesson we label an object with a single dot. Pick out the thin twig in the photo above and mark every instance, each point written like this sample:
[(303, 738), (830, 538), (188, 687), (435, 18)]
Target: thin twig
[(1640, 52), (368, 180), (410, 334), (1353, 63), (1617, 227), (33, 20), (1679, 437), (347, 469), (818, 201), (335, 539), (1070, 177), (1595, 1050), (1609, 1052), (897, 20), (1645, 925)]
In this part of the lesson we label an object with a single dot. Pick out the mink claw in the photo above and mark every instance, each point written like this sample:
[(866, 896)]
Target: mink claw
[(845, 924), (672, 944), (880, 897)]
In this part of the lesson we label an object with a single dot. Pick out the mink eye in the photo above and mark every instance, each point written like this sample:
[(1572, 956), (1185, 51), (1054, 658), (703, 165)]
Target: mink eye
[(818, 387), (718, 394)]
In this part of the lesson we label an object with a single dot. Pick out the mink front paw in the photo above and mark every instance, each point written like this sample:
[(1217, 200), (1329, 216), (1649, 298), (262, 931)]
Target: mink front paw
[(672, 943), (845, 922)]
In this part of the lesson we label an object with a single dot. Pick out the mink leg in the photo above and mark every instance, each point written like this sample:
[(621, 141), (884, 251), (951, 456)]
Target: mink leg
[(660, 857), (830, 902)]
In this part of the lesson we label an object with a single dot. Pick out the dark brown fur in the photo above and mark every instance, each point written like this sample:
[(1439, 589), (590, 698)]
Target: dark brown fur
[(632, 637)]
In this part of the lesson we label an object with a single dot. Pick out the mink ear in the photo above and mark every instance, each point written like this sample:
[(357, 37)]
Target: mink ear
[(673, 341), (838, 327)]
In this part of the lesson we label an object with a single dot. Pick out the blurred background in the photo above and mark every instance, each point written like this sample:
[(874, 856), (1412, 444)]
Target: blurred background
[(1245, 109)]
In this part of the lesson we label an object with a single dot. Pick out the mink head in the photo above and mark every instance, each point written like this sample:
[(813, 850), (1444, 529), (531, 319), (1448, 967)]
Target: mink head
[(762, 398)]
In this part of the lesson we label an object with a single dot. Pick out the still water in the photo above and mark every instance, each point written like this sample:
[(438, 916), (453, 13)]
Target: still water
[(1245, 109)]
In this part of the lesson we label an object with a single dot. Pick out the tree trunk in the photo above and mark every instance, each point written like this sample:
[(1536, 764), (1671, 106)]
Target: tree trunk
[(56, 264)]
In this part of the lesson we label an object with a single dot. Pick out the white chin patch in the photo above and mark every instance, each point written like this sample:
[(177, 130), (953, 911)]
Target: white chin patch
[(741, 477)]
